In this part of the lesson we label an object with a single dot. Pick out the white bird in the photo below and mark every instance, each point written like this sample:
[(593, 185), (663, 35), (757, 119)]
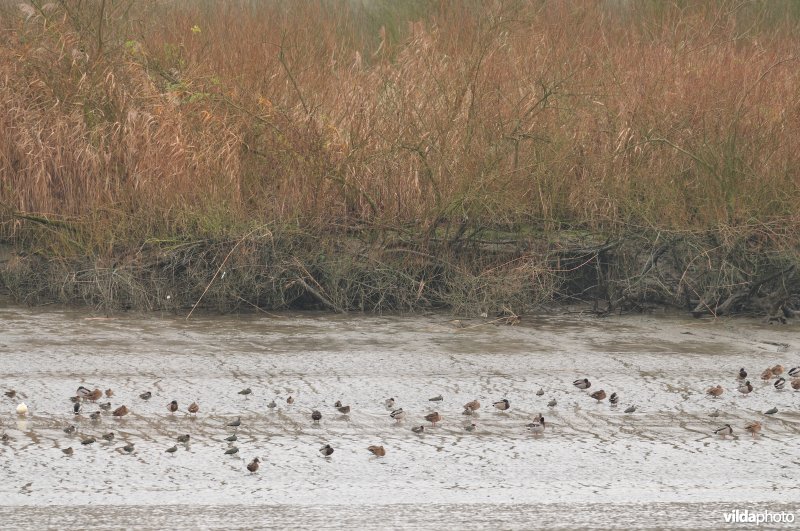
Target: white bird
[(22, 409), (724, 431), (398, 414)]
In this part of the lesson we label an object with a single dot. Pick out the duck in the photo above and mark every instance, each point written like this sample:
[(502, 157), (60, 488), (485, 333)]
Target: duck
[(231, 438), (183, 438), (231, 451), (780, 383), (121, 411), (172, 449), (272, 405), (613, 399), (389, 403), (794, 371), (552, 403), (172, 407), (715, 391), (433, 418), (88, 440), (767, 374), (316, 416), (69, 430), (290, 400), (76, 408), (83, 392), (753, 427), (235, 423), (582, 384), (631, 409), (378, 451), (146, 395), (471, 427), (12, 393), (95, 395), (109, 393), (5, 437), (538, 425), (742, 374), (771, 411), (540, 392), (193, 408), (746, 387), (109, 436), (67, 451), (95, 415), (398, 414), (22, 409), (777, 370), (253, 465), (344, 410), (338, 404), (599, 395), (502, 405), (437, 398), (418, 429), (724, 431), (245, 392), (326, 450), (796, 384), (472, 405), (105, 407), (128, 448)]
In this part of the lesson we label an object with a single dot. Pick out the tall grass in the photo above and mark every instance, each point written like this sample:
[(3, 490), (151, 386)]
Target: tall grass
[(130, 121)]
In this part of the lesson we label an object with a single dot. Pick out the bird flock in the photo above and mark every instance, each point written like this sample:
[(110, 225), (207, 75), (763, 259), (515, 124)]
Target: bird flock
[(84, 397), (745, 388)]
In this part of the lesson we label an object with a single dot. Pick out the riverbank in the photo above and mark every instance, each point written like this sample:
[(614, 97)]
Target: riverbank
[(477, 157), (471, 272)]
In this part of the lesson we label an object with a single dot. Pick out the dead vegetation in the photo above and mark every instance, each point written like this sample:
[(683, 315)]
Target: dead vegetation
[(477, 156)]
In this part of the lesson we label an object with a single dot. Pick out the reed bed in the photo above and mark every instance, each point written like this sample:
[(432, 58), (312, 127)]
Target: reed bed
[(407, 154)]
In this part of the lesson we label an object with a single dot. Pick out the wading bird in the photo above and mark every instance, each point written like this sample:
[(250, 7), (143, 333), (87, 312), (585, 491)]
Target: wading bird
[(433, 418), (502, 405), (599, 395), (715, 391), (378, 451), (724, 431), (582, 384)]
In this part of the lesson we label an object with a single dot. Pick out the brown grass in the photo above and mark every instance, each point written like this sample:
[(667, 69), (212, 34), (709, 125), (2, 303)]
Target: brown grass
[(169, 121), (503, 112)]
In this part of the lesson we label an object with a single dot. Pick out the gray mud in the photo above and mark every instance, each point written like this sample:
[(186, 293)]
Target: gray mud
[(595, 466)]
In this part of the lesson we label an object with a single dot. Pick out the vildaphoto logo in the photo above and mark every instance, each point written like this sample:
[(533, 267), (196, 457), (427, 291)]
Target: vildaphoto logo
[(747, 516)]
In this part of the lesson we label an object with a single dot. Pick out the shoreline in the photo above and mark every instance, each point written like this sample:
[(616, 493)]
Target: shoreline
[(496, 274)]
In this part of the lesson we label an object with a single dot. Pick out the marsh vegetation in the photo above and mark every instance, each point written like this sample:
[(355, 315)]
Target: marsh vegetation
[(474, 156)]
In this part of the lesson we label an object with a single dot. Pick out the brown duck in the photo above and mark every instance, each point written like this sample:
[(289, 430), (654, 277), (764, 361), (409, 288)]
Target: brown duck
[(433, 418), (377, 450)]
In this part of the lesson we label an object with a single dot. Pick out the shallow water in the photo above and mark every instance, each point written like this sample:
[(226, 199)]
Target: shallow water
[(660, 467)]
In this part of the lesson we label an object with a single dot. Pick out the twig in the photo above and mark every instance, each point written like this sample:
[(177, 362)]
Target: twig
[(216, 273)]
